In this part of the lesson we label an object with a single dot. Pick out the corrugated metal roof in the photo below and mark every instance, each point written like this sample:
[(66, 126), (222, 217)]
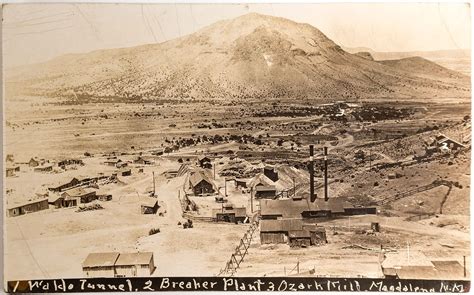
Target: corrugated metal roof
[(100, 259), (140, 258), (293, 208)]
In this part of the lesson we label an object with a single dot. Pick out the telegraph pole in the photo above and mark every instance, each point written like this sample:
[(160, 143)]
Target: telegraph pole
[(251, 199), (154, 188), (325, 173)]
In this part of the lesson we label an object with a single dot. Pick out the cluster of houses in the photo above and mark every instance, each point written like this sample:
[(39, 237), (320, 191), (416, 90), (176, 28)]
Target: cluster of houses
[(38, 165), (70, 194), (113, 264), (440, 144)]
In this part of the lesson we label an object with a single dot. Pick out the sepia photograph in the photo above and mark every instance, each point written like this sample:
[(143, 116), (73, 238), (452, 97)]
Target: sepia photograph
[(236, 147)]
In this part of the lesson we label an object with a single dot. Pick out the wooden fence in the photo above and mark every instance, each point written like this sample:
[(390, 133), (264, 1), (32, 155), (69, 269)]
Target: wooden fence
[(405, 194)]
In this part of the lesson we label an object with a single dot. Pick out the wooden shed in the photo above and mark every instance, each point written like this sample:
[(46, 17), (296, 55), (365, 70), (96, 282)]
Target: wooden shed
[(99, 265), (265, 192), (33, 162), (29, 206), (229, 214), (45, 168), (135, 264), (10, 172), (148, 205), (85, 195)]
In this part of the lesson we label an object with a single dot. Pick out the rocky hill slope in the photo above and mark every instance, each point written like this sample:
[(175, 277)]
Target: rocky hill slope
[(252, 56)]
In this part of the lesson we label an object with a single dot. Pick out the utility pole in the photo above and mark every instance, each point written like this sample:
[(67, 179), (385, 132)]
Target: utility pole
[(251, 199), (214, 169), (225, 187), (326, 173), (464, 259), (154, 188), (294, 186)]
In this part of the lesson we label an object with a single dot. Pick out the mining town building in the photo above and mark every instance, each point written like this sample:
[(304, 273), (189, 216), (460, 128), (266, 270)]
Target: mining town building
[(143, 161), (65, 186), (33, 162), (126, 172), (148, 205), (45, 168), (271, 173), (228, 213), (240, 182), (295, 232), (201, 184), (11, 171), (113, 264), (134, 264), (30, 206), (64, 163), (204, 162), (171, 173), (265, 192), (415, 265), (99, 265), (85, 195), (304, 208)]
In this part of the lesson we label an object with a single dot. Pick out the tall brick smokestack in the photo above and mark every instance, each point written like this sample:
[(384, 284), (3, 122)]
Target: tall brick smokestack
[(312, 196), (326, 173)]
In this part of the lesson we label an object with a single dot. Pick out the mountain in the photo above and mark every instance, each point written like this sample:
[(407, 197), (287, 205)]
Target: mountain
[(454, 59), (252, 56)]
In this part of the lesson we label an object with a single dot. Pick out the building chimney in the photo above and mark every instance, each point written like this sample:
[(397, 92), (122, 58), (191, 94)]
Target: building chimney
[(312, 196), (326, 173)]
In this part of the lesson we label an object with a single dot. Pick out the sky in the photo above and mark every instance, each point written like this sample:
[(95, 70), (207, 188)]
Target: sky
[(38, 32)]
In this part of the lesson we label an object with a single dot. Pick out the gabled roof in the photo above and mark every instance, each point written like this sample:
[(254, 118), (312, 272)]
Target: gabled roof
[(148, 201), (198, 177), (54, 197), (100, 259), (140, 258), (259, 179), (79, 191), (200, 158)]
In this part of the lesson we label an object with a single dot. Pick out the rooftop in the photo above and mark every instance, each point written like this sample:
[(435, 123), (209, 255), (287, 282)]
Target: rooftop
[(140, 258), (199, 176), (100, 259), (79, 191), (293, 208), (148, 201)]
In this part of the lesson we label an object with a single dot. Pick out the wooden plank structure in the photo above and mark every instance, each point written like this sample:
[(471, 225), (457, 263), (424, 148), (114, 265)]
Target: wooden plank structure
[(241, 250)]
